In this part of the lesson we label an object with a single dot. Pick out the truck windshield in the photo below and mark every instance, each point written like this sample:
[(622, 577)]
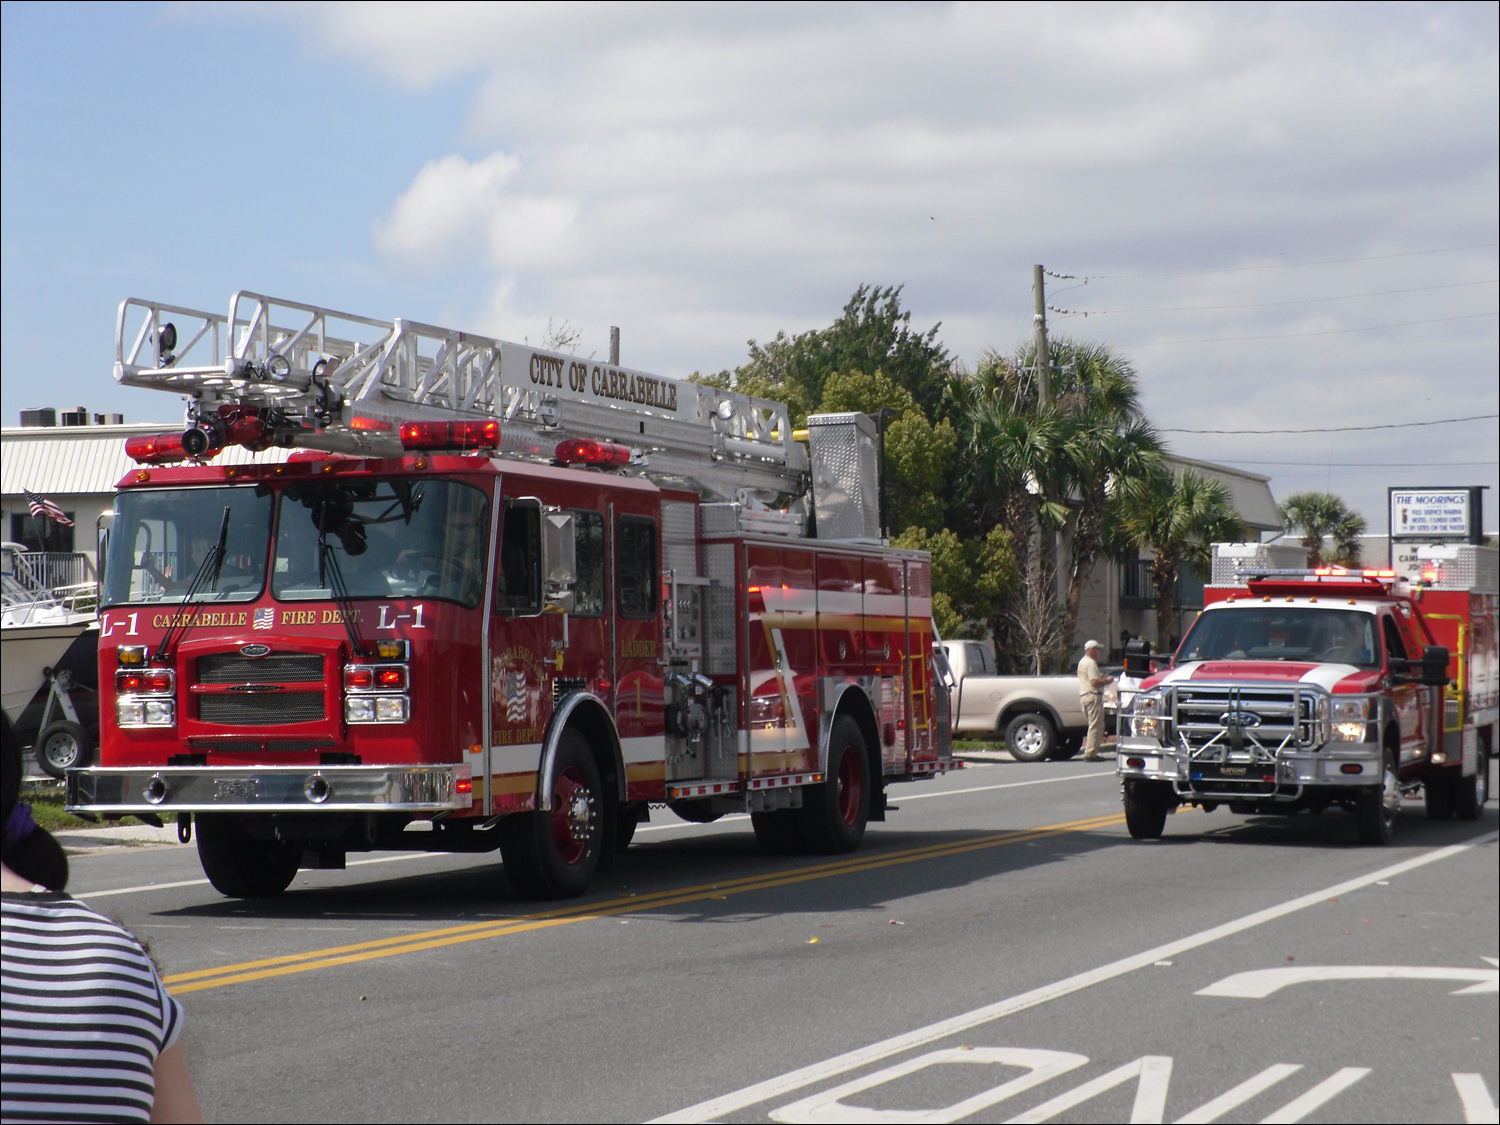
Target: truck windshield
[(394, 538), (160, 538), (1334, 636)]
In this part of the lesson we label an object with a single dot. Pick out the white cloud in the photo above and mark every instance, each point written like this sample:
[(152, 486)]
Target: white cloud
[(703, 174)]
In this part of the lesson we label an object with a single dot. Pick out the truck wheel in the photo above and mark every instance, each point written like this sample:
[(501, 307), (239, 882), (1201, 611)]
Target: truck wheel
[(240, 866), (629, 816), (1375, 809), (1437, 795), (1030, 737), (61, 746), (833, 814), (553, 852), (776, 832), (1145, 809), (1470, 793)]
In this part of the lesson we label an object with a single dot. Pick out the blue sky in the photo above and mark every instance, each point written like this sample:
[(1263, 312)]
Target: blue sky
[(701, 176)]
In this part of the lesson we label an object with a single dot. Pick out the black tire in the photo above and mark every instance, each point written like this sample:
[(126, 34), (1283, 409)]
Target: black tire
[(833, 815), (1030, 737), (61, 746), (240, 866), (1146, 808), (629, 816), (1471, 793), (554, 852), (776, 832), (695, 812), (1437, 795), (1068, 747), (1375, 808)]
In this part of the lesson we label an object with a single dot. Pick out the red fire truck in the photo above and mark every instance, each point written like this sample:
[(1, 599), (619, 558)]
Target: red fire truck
[(1300, 689), (494, 598)]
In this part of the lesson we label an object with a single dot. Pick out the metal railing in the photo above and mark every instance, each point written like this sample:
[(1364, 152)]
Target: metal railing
[(52, 570), (1137, 591)]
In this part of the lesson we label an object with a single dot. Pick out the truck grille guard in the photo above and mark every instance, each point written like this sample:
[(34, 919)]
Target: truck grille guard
[(1219, 725)]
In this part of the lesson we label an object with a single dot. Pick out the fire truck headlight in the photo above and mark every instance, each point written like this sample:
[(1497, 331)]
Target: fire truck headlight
[(391, 709), (130, 712), (1349, 717), (1145, 719), (136, 712), (359, 710), (160, 712), (1348, 732)]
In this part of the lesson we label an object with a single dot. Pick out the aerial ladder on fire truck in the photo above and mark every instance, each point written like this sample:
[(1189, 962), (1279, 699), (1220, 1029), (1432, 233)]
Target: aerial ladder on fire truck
[(274, 372)]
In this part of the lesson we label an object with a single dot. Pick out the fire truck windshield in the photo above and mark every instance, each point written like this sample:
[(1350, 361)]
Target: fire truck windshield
[(160, 538), (1289, 632), (395, 538)]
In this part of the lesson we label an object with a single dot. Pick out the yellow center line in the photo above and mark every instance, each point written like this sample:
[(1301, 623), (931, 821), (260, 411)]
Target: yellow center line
[(201, 979)]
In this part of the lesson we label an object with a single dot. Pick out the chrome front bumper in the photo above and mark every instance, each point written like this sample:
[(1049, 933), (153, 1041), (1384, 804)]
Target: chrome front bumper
[(1296, 770), (302, 789)]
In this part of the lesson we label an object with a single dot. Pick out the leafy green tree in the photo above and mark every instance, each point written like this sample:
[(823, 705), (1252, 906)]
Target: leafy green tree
[(1321, 516), (971, 579), (1178, 518)]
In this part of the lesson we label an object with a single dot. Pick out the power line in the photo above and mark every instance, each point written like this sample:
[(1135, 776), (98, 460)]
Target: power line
[(1291, 265), (1365, 464), (1270, 304), (1335, 429), (1320, 332)]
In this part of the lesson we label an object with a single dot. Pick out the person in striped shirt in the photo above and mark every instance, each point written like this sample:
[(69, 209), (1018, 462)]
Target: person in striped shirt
[(89, 1030)]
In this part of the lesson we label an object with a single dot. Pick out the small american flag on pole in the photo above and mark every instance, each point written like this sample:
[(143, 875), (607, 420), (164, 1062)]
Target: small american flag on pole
[(42, 508)]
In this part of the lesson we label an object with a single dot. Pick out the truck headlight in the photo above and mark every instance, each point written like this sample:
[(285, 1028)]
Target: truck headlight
[(1349, 717), (1145, 712)]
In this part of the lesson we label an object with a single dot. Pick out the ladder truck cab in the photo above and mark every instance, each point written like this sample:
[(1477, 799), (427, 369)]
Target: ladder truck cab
[(494, 597), (1300, 689)]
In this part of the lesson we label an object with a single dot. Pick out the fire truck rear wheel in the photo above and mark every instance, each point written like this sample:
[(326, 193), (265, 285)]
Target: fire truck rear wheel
[(1470, 793), (240, 866), (833, 814), (553, 853), (1146, 809), (61, 746), (1375, 809)]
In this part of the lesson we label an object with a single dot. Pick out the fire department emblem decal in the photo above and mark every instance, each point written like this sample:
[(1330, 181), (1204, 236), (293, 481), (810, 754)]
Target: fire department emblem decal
[(516, 678)]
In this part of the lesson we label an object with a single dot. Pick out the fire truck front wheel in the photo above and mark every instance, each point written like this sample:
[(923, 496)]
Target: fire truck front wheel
[(240, 866), (1146, 806), (1470, 793), (1375, 808), (554, 852), (833, 814)]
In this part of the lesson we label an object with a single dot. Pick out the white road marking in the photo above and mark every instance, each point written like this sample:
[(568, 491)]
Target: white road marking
[(1326, 1090), (781, 1084), (1260, 983), (1153, 1074), (829, 1108), (1479, 1107), (1216, 1108), (903, 798)]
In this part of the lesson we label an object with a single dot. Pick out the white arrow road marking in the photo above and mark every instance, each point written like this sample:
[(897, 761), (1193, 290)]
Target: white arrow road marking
[(726, 1104), (1326, 1090), (1260, 983), (828, 1107), (1479, 1107), (1230, 1099)]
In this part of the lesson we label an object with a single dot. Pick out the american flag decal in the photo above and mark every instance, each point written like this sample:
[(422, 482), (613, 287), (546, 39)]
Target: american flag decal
[(265, 618)]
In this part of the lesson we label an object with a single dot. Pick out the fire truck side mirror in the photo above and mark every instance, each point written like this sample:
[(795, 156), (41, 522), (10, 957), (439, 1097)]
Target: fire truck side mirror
[(1430, 671), (559, 551), (1138, 658)]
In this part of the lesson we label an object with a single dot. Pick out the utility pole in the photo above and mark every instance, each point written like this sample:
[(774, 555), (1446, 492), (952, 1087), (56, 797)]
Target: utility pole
[(614, 345), (1043, 359)]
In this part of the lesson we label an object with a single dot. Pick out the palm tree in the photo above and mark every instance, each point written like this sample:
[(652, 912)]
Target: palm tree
[(1319, 516), (1178, 518)]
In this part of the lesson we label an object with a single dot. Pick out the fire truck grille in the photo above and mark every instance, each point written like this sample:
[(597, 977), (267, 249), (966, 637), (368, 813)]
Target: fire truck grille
[(278, 668), (270, 709), (1226, 716)]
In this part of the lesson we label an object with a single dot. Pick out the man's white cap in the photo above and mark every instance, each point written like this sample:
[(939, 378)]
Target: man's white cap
[(1092, 644)]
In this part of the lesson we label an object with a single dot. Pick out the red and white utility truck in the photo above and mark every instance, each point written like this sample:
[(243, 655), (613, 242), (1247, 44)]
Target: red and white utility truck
[(495, 598), (1300, 689)]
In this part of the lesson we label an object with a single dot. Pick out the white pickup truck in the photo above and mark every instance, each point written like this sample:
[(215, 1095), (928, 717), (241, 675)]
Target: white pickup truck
[(1038, 716)]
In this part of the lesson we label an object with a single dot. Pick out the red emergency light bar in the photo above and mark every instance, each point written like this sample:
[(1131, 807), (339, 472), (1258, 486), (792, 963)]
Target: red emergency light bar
[(156, 449), (450, 435), (599, 454), (1340, 572)]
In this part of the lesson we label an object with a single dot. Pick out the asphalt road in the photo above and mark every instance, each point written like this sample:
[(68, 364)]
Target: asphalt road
[(1002, 918)]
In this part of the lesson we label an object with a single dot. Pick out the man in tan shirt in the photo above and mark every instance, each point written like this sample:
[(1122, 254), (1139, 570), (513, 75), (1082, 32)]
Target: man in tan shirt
[(1091, 684)]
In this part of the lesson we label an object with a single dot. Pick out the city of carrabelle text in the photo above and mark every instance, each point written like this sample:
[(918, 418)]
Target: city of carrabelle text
[(602, 381)]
